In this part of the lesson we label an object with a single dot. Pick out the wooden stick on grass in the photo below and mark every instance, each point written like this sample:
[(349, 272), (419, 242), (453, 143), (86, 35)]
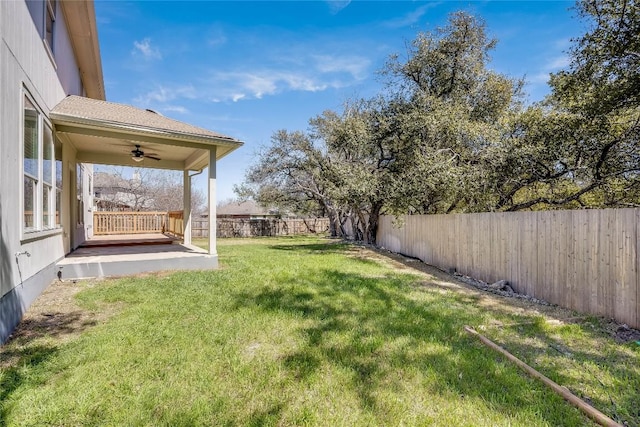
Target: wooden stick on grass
[(592, 412)]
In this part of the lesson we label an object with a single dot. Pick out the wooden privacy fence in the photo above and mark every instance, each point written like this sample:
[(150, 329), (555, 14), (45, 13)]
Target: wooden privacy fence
[(260, 227), (586, 260), (128, 222)]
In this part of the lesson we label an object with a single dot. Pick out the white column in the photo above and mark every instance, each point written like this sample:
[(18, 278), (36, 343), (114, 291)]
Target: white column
[(186, 206), (212, 201)]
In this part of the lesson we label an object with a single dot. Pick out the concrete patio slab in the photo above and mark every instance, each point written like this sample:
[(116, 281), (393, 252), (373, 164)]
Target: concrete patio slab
[(118, 260)]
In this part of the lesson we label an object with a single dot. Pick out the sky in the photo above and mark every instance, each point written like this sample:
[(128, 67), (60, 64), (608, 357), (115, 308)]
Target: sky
[(249, 68)]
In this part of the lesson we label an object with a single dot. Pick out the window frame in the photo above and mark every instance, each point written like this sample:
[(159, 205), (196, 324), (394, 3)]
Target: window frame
[(49, 20), (44, 187), (79, 195)]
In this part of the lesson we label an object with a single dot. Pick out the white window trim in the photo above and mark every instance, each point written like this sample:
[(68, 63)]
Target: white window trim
[(49, 7), (39, 230)]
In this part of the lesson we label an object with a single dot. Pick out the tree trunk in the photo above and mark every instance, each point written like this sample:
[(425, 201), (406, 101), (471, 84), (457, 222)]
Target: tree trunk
[(372, 225)]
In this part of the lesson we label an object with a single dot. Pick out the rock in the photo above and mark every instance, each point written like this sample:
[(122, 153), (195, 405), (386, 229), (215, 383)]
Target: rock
[(499, 285), (509, 289)]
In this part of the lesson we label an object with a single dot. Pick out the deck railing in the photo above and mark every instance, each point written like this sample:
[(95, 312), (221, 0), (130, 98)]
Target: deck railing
[(129, 222), (175, 223)]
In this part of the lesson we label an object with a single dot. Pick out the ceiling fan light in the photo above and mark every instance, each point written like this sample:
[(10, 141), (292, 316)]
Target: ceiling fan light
[(137, 158)]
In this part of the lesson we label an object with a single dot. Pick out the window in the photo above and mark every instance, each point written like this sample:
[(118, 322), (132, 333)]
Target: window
[(47, 177), (50, 19), (31, 166), (42, 168), (57, 147), (79, 195)]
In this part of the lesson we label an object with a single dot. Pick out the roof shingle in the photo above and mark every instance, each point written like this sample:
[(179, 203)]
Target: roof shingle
[(125, 115)]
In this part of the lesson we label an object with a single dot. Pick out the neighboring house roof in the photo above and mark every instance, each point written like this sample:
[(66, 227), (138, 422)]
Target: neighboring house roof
[(246, 208)]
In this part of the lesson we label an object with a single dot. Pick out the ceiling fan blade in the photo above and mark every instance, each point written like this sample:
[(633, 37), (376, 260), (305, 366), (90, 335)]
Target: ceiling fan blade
[(152, 157)]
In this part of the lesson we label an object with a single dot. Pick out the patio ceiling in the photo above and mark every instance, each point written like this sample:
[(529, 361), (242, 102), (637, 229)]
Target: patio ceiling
[(105, 133)]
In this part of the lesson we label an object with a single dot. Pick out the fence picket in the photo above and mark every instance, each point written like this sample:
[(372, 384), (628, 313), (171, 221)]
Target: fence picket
[(586, 260)]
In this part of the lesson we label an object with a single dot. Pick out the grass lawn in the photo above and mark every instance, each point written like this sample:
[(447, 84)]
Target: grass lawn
[(303, 331)]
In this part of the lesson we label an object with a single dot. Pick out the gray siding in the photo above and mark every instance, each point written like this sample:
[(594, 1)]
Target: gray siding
[(26, 63)]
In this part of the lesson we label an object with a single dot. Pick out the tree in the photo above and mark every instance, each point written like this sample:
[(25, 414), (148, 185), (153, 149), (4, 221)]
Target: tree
[(578, 149), (450, 110), (451, 135), (604, 75), (409, 150), (143, 189), (599, 95), (292, 173)]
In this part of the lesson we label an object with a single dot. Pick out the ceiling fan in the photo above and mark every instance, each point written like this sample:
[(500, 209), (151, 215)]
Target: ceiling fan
[(138, 155)]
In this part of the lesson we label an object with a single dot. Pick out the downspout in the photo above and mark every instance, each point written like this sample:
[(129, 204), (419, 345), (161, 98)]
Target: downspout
[(196, 174)]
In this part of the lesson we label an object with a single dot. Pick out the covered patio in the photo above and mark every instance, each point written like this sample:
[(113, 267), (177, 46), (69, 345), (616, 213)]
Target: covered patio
[(100, 132), (121, 255)]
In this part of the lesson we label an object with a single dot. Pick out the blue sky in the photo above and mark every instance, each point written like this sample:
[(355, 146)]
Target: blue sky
[(249, 68)]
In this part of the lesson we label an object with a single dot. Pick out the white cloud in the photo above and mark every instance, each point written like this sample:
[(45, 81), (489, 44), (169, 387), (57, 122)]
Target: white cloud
[(176, 109), (539, 78), (354, 65), (245, 85), (163, 94), (558, 62), (337, 5), (314, 73), (411, 17), (318, 73), (551, 65), (143, 48), (216, 38)]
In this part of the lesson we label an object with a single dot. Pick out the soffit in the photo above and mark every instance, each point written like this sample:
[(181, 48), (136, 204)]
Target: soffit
[(80, 17)]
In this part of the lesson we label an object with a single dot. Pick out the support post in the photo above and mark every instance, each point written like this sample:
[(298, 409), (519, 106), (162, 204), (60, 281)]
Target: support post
[(186, 207), (212, 202)]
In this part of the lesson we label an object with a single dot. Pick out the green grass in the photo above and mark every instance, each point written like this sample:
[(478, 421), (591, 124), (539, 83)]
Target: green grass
[(302, 331)]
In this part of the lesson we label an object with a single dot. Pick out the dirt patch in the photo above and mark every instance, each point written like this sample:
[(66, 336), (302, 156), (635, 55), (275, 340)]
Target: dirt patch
[(54, 314), (621, 332)]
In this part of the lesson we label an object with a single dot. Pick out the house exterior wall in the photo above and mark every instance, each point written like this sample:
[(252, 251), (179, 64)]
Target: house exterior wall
[(28, 66)]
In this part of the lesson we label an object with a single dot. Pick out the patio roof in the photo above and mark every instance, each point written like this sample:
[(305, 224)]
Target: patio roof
[(105, 133)]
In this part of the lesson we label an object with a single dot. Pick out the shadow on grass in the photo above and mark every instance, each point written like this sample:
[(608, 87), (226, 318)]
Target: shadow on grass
[(21, 356), (373, 328), (570, 366), (567, 365), (324, 247), (20, 372), (51, 325), (266, 417)]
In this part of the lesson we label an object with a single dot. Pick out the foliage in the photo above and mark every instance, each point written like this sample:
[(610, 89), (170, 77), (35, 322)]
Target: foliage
[(599, 95), (291, 175), (451, 135), (604, 75), (408, 150)]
